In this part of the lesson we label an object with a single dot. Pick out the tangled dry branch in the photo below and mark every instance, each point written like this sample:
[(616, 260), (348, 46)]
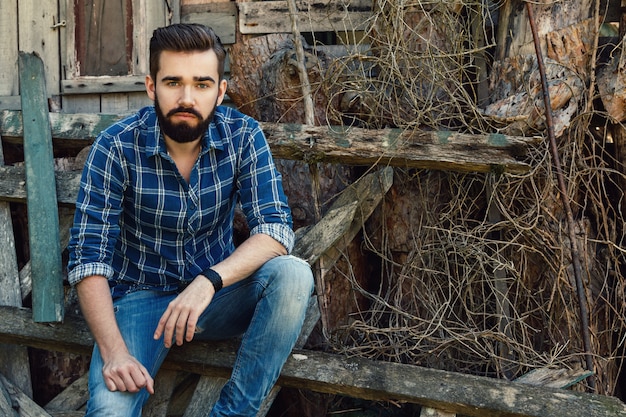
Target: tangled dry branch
[(485, 285)]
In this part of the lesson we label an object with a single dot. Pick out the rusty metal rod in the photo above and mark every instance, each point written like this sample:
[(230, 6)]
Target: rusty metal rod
[(582, 297)]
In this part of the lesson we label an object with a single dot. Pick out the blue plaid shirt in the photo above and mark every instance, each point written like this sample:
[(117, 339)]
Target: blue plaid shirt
[(141, 225)]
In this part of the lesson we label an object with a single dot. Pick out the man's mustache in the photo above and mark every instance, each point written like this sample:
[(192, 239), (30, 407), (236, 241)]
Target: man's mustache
[(184, 110)]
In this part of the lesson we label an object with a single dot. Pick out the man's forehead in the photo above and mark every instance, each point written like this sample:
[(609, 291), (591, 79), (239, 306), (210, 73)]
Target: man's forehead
[(196, 64)]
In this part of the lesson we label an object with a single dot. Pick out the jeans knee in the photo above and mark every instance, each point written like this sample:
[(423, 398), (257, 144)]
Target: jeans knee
[(293, 274), (105, 403)]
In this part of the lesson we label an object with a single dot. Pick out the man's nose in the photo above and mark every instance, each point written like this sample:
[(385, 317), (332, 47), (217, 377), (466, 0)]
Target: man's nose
[(186, 98)]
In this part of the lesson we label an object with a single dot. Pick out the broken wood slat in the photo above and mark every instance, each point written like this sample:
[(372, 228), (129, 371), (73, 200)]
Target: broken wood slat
[(440, 150), (325, 16), (71, 398), (554, 378), (6, 406), (26, 407), (355, 377), (43, 220)]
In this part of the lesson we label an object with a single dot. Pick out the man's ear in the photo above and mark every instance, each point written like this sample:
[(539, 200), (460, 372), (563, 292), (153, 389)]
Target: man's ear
[(150, 87), (222, 91)]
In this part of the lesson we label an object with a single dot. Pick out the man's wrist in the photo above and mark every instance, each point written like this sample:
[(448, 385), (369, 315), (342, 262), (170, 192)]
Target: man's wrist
[(214, 277)]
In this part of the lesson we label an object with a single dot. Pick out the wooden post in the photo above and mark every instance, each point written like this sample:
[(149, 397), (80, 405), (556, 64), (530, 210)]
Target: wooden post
[(43, 217)]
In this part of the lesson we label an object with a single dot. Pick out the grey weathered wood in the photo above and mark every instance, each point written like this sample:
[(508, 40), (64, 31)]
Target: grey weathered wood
[(451, 151), (205, 396), (326, 232), (369, 192), (13, 185), (8, 52), (10, 102), (14, 362), (221, 16), (43, 221), (6, 403), (26, 406), (35, 34), (164, 384), (101, 85), (356, 377), (71, 398), (65, 222), (324, 16), (554, 378)]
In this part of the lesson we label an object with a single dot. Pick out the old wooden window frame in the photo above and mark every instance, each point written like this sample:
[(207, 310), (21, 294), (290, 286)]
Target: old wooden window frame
[(146, 17)]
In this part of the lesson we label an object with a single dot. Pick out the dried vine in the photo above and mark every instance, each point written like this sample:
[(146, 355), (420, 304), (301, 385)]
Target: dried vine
[(465, 292)]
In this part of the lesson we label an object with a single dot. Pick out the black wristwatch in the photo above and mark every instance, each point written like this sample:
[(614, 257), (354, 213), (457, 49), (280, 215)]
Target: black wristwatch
[(214, 277)]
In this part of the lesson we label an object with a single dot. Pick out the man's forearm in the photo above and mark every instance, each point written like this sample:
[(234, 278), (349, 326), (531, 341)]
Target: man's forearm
[(97, 306), (248, 257)]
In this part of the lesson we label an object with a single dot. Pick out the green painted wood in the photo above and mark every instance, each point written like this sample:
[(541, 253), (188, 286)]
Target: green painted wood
[(43, 218)]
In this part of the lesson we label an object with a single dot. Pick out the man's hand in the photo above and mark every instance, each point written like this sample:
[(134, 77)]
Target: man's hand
[(181, 317), (123, 372)]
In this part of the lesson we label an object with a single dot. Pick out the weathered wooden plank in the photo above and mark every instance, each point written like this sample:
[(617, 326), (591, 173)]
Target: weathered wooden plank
[(6, 406), (555, 378), (101, 85), (14, 362), (8, 51), (206, 394), (37, 34), (164, 385), (10, 102), (43, 220), (26, 406), (80, 129), (13, 185), (220, 16), (350, 146), (66, 218), (410, 149), (369, 192), (71, 398), (355, 377), (257, 17)]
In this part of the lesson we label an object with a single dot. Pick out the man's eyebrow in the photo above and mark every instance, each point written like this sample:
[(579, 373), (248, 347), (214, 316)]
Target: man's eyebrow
[(196, 79), (202, 79)]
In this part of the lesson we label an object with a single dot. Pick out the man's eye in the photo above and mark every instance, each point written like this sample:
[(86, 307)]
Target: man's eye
[(172, 83), (203, 86)]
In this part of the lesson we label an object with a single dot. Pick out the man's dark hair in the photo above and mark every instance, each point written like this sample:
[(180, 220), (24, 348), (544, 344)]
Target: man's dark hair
[(185, 37)]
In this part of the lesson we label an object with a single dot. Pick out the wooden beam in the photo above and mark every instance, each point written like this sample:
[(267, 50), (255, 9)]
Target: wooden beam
[(102, 85), (439, 150), (355, 377), (323, 16), (43, 217), (220, 16)]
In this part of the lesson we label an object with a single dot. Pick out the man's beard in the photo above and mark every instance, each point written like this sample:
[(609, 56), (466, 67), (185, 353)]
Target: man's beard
[(182, 132)]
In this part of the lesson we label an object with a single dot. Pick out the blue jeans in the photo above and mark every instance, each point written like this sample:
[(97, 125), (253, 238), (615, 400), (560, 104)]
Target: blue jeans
[(267, 308)]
